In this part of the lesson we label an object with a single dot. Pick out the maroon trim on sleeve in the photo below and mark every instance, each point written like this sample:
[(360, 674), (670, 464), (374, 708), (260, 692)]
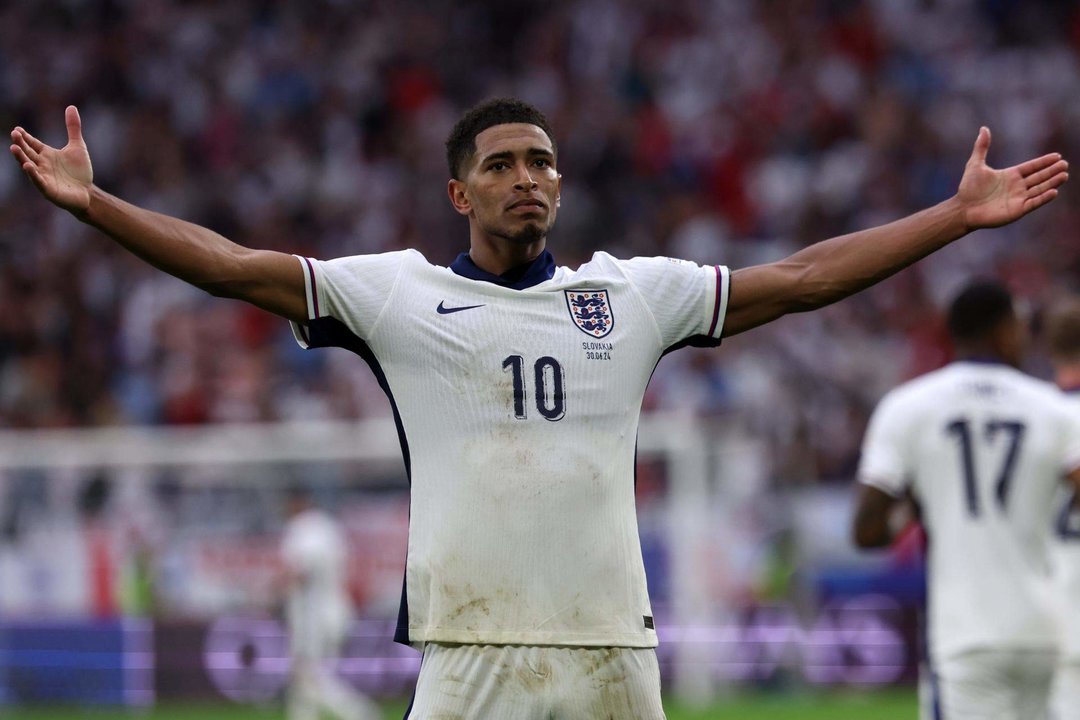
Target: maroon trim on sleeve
[(314, 290), (716, 302)]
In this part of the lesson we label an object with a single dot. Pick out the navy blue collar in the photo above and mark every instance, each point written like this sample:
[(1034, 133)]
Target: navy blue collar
[(519, 278), (982, 360)]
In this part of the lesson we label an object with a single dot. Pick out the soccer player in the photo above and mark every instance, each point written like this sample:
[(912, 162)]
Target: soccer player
[(516, 384), (1063, 339), (318, 612), (983, 449)]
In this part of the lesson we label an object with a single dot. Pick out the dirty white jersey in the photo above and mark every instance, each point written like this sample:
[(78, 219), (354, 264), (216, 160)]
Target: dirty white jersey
[(1065, 551), (984, 449), (517, 399)]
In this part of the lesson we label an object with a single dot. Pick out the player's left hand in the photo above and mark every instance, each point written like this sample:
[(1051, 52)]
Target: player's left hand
[(996, 197)]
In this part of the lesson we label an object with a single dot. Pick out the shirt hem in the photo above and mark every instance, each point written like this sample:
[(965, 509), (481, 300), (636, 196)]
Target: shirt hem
[(494, 637), (955, 651)]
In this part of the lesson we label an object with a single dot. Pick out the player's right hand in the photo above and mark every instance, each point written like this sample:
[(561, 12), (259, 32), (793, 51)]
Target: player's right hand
[(64, 176)]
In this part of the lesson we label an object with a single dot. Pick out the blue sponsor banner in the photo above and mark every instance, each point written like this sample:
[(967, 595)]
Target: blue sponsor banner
[(861, 640), (106, 662), (5, 683)]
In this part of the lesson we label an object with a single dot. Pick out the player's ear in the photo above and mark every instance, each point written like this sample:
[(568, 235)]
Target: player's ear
[(458, 197), (558, 190)]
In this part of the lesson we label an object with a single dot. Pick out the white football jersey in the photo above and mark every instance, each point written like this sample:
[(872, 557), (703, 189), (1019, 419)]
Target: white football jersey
[(983, 448), (517, 402), (1065, 549)]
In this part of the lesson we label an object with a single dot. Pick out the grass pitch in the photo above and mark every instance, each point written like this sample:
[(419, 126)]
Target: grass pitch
[(883, 705)]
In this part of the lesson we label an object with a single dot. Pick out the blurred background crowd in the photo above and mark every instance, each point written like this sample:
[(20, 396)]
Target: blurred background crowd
[(731, 131)]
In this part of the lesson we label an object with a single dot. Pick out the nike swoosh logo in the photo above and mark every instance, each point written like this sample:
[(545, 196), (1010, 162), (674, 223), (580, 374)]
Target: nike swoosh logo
[(442, 310)]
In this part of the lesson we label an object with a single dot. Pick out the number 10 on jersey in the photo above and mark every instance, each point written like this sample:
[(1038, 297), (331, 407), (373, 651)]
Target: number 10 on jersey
[(548, 385)]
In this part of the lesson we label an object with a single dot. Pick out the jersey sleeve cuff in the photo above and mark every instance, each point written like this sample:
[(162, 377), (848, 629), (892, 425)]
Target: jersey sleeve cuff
[(886, 486), (311, 293), (312, 288), (717, 301)]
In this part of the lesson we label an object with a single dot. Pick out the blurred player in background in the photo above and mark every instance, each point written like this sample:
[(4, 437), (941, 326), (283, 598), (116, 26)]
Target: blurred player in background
[(517, 386), (1063, 339), (318, 612), (983, 449)]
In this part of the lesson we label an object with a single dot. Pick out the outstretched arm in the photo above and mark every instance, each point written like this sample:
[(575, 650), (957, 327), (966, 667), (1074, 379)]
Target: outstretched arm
[(270, 280), (833, 269)]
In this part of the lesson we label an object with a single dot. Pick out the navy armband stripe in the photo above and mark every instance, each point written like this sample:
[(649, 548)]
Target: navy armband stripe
[(716, 302), (314, 289)]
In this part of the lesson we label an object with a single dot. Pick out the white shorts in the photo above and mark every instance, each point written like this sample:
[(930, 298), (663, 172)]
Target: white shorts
[(927, 694), (316, 640), (995, 685), (529, 682), (1065, 697)]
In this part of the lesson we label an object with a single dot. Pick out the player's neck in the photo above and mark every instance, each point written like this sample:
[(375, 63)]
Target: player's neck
[(981, 351), (497, 255)]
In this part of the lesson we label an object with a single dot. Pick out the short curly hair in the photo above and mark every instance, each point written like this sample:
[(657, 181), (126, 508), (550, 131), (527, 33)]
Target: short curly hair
[(978, 310), (461, 145)]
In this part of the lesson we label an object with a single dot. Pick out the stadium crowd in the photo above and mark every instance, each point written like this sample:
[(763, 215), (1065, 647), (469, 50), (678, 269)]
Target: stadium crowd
[(731, 132)]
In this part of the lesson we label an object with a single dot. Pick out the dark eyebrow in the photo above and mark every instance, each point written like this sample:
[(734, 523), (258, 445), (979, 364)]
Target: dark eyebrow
[(508, 155)]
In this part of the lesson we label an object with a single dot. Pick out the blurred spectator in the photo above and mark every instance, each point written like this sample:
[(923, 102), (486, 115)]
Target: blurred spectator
[(318, 613), (100, 562)]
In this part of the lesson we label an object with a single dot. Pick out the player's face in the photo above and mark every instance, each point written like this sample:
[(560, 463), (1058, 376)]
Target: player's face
[(511, 190)]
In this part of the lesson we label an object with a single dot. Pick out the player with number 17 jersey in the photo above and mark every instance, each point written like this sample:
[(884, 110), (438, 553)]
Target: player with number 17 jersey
[(517, 399), (984, 450)]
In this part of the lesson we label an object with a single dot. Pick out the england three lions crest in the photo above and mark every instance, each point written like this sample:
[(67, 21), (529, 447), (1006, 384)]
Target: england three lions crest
[(590, 311)]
